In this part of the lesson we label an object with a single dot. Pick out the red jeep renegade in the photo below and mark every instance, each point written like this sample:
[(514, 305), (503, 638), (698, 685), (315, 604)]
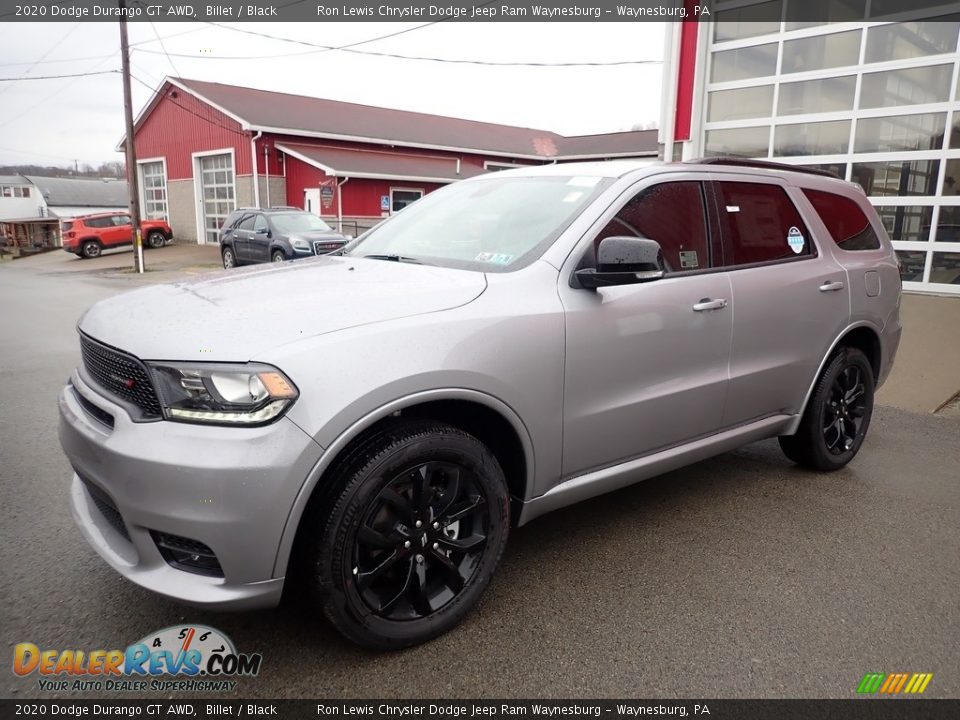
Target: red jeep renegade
[(90, 235)]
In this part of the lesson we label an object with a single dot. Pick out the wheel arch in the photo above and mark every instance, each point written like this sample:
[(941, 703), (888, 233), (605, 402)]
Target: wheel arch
[(864, 337), (486, 417)]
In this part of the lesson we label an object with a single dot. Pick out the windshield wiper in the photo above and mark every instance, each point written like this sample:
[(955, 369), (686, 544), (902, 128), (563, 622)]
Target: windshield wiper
[(395, 258)]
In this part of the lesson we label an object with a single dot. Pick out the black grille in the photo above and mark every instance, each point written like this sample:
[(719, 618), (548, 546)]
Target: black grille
[(106, 507), (121, 374), (186, 554)]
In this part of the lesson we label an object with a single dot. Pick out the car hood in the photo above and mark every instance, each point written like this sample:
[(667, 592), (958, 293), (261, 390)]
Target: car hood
[(324, 235), (235, 315)]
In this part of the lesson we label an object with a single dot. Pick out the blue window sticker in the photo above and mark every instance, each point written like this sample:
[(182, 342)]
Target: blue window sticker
[(795, 240)]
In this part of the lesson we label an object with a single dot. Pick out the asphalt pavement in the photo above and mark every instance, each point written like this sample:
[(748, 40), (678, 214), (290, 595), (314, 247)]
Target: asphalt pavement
[(741, 576)]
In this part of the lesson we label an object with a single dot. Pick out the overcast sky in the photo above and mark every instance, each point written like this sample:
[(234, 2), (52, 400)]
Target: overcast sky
[(58, 121)]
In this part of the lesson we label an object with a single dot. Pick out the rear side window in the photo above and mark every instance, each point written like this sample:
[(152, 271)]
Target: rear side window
[(99, 222), (65, 226), (758, 223), (672, 214), (846, 222)]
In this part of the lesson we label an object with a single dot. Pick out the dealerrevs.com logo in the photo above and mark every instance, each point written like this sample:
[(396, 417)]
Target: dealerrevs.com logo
[(179, 658)]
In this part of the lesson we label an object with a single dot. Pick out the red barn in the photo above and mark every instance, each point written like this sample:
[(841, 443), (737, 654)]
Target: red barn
[(205, 148)]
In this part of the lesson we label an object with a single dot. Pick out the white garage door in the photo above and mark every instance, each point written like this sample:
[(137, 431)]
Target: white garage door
[(216, 185)]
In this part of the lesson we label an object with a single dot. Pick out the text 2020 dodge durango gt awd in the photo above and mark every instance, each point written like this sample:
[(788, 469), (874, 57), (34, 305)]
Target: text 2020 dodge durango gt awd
[(375, 421)]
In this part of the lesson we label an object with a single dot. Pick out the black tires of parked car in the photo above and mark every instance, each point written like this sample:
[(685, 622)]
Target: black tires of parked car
[(407, 540), (837, 416), (156, 239), (229, 259), (278, 256), (90, 249)]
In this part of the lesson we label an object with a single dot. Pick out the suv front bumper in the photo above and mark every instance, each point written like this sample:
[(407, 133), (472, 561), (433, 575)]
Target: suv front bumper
[(229, 488)]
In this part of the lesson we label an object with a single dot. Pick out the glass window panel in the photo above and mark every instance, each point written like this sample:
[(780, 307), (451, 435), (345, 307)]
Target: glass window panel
[(821, 52), (900, 41), (906, 223), (821, 138), (901, 132), (750, 21), (911, 86), (955, 130), (948, 226), (800, 12), (743, 142), (744, 63), (903, 178), (945, 268), (838, 169), (951, 178), (741, 103), (911, 265), (813, 96)]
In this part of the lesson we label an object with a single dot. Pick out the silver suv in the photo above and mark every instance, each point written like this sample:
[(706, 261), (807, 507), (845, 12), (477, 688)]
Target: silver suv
[(365, 428)]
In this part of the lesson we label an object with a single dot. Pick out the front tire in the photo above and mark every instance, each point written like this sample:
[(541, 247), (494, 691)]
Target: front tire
[(407, 545), (837, 417), (156, 240), (278, 256)]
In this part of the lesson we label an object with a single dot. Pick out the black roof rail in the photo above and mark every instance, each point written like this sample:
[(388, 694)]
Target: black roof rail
[(762, 164)]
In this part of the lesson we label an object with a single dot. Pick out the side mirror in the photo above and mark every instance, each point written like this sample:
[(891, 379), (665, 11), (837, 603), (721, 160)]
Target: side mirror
[(263, 231), (623, 260)]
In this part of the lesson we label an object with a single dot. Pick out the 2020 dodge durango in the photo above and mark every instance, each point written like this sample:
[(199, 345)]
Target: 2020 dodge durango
[(374, 422)]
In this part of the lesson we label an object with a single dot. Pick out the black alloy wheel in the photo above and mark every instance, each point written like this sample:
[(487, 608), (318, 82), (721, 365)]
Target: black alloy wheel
[(421, 540), (156, 240), (413, 523), (837, 415)]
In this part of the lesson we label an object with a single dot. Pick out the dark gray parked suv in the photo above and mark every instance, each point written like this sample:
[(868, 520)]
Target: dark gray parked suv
[(259, 235), (371, 424)]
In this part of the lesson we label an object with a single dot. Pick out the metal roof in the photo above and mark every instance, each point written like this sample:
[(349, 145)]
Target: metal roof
[(316, 117), (13, 180), (347, 162), (81, 192)]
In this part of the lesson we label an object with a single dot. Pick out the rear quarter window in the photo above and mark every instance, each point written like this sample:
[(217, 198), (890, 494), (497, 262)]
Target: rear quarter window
[(65, 226), (846, 222)]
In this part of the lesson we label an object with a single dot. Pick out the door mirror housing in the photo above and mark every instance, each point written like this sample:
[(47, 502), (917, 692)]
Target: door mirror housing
[(623, 260)]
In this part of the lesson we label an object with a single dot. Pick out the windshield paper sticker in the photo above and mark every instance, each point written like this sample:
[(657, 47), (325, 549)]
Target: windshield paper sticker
[(688, 259), (495, 258), (795, 240)]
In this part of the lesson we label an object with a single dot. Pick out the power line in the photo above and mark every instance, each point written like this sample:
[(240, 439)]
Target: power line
[(186, 109), (164, 48), (56, 77), (101, 57), (42, 57)]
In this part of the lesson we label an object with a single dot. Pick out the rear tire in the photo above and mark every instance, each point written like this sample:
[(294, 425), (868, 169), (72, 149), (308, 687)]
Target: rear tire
[(90, 249), (837, 417), (409, 536)]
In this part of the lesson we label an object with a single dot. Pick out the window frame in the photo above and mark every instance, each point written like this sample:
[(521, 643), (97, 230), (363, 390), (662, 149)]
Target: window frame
[(713, 214)]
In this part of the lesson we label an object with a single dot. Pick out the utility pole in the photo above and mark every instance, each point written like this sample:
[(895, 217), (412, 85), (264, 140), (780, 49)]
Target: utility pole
[(133, 185)]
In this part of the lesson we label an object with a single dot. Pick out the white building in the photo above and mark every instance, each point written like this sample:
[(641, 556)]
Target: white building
[(873, 98)]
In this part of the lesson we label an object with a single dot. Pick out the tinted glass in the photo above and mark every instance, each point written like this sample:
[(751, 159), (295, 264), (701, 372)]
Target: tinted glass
[(948, 227), (246, 223), (912, 86), (740, 103), (845, 221), (673, 215), (911, 265), (743, 142), (799, 12), (820, 138), (757, 223), (906, 223), (742, 63), (907, 177), (901, 133), (813, 96), (900, 41), (945, 268), (757, 19), (821, 52)]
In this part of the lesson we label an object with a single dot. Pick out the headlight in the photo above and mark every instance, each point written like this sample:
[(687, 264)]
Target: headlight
[(221, 394), (300, 245)]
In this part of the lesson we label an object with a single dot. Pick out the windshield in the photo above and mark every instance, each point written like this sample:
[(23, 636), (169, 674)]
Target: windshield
[(298, 222), (497, 224)]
